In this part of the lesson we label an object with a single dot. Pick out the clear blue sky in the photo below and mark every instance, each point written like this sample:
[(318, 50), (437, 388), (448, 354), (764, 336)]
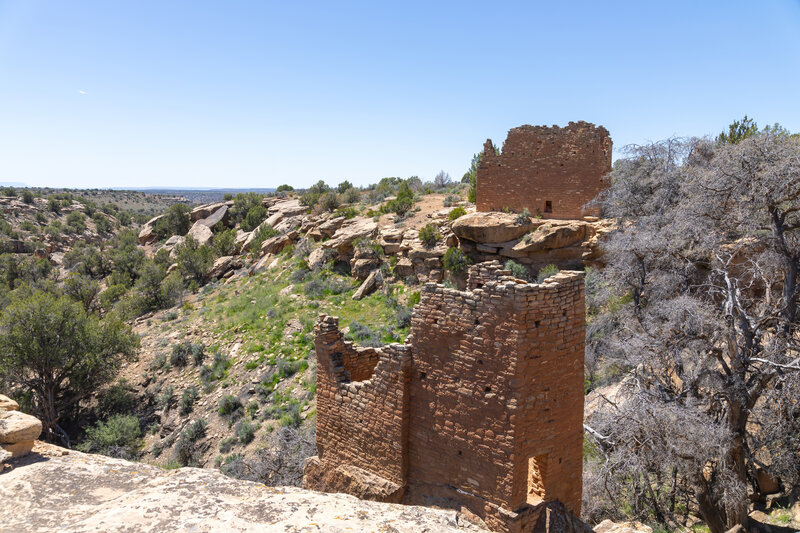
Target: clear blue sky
[(254, 94)]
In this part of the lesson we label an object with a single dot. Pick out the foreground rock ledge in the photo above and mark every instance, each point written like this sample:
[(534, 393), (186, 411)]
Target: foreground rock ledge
[(54, 489)]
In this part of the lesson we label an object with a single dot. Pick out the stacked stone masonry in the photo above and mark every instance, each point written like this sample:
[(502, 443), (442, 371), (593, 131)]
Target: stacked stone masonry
[(553, 172), (482, 409)]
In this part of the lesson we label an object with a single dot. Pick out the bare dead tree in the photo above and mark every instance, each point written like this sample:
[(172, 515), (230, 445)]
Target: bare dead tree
[(701, 306)]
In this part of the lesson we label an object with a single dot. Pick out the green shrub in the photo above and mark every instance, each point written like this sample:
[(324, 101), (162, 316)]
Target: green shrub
[(351, 196), (166, 398), (402, 203), (102, 223), (329, 201), (429, 234), (119, 436), (226, 444), (76, 222), (517, 270), (193, 260), (264, 232), (230, 406), (414, 299), (546, 272), (523, 218), (456, 212), (254, 217), (198, 353), (54, 205), (450, 200), (117, 399), (188, 397), (224, 243), (180, 354), (251, 408), (176, 221), (455, 261), (284, 188), (245, 431), (27, 196)]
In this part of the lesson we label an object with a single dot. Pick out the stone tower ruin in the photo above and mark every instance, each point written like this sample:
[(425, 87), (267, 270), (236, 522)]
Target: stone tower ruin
[(553, 172), (482, 409)]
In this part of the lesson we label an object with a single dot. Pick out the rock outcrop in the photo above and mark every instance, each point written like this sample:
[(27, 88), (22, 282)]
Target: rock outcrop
[(55, 489), (17, 430)]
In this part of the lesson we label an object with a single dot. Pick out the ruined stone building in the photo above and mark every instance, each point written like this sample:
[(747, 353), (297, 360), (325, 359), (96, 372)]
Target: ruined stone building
[(553, 172), (481, 410)]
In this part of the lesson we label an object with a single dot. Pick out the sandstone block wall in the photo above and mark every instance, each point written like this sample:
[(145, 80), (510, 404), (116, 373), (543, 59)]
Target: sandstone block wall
[(551, 171), (482, 409), (362, 403)]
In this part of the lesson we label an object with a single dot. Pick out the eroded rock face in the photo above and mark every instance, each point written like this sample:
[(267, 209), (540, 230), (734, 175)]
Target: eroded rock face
[(148, 232), (95, 493), (490, 227), (8, 404), (18, 427), (344, 237)]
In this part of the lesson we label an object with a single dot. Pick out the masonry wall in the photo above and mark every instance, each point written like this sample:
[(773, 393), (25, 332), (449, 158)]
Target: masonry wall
[(482, 409), (497, 379), (362, 403), (564, 166)]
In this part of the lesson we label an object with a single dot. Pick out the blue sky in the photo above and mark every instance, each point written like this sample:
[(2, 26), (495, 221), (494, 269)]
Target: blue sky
[(255, 94)]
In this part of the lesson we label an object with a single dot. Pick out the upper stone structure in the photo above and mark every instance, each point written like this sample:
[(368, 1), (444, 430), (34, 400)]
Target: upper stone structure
[(482, 409), (553, 172)]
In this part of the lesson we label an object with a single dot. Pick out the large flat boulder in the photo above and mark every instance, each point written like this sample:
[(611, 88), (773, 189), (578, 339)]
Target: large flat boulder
[(492, 226), (349, 232), (553, 235), (16, 426), (205, 211), (220, 215), (87, 492)]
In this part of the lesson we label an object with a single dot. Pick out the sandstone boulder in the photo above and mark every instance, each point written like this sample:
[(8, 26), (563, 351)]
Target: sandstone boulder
[(18, 427), (220, 215), (349, 479), (316, 258), (609, 526), (242, 238), (288, 208), (328, 228), (490, 226), (204, 211), (18, 449), (148, 232), (276, 244), (172, 243), (200, 232), (369, 285), (361, 268), (7, 404), (344, 237), (223, 265), (553, 235)]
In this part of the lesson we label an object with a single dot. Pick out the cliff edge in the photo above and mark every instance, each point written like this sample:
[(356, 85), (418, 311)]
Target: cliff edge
[(57, 489)]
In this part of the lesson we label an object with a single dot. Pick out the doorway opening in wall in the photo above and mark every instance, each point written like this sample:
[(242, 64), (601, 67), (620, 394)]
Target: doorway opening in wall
[(548, 206), (537, 466)]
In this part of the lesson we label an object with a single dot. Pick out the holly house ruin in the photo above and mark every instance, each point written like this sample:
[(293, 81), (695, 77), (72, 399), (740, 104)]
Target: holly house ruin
[(482, 408)]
